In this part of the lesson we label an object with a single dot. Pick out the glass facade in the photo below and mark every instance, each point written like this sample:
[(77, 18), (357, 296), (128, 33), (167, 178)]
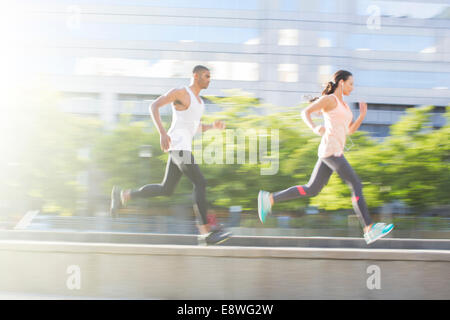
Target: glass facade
[(288, 72), (258, 49), (125, 67), (205, 4), (57, 29), (389, 42), (401, 79)]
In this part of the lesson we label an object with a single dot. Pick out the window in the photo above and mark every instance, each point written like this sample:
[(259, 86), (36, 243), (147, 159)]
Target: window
[(327, 39), (57, 28), (126, 67), (325, 73), (288, 72), (400, 79), (237, 71), (119, 67), (206, 4), (379, 131), (288, 37), (289, 5), (328, 6), (79, 102), (409, 43)]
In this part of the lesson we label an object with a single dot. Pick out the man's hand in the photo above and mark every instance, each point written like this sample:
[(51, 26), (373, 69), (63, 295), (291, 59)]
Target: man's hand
[(165, 141), (218, 125)]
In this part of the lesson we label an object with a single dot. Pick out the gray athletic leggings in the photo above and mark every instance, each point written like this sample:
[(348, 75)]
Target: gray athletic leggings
[(320, 177), (180, 162)]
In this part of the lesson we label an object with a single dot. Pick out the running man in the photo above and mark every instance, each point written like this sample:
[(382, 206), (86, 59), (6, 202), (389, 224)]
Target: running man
[(337, 124), (187, 110)]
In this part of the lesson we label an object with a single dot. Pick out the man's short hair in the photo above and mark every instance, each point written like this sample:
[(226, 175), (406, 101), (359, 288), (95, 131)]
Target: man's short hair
[(199, 68)]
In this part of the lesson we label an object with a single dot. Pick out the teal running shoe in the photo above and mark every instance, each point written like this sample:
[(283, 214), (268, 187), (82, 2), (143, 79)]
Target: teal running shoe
[(264, 205), (377, 231)]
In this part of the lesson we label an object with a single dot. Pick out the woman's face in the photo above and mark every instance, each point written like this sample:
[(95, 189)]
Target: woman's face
[(346, 86)]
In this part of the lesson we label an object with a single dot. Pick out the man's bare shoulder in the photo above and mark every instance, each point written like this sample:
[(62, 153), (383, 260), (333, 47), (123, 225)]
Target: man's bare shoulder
[(176, 92)]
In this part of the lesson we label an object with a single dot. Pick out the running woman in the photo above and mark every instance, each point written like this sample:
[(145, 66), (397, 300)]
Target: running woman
[(337, 124), (187, 110)]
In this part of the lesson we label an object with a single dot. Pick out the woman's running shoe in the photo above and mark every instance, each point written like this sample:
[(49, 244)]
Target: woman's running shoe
[(377, 231), (264, 205)]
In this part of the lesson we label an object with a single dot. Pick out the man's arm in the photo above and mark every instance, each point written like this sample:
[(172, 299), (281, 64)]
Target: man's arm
[(216, 125), (169, 97)]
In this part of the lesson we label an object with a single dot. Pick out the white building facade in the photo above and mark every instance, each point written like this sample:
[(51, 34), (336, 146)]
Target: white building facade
[(115, 56)]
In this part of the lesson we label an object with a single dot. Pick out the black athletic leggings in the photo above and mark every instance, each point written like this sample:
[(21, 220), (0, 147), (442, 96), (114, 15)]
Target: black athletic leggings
[(179, 162), (320, 177)]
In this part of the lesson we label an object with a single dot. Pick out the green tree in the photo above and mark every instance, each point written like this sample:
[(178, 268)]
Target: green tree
[(411, 165), (41, 153)]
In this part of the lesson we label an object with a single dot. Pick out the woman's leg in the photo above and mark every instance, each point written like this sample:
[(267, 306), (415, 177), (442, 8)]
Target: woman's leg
[(319, 178), (346, 172)]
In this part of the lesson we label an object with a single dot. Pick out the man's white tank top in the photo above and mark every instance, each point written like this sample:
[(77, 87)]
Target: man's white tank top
[(185, 123)]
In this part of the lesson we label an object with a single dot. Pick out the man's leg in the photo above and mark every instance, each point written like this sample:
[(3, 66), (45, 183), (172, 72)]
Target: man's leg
[(165, 188), (186, 163)]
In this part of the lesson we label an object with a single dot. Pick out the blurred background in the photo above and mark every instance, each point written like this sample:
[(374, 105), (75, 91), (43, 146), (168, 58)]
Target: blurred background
[(78, 77)]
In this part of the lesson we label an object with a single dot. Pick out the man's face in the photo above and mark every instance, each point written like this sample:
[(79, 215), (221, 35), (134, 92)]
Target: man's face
[(203, 78)]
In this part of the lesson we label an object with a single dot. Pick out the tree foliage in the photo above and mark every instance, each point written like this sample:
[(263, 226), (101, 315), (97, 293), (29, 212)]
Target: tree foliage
[(41, 158), (411, 165)]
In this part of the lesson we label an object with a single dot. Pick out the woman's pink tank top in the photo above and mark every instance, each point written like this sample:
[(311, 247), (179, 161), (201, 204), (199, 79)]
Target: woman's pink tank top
[(336, 124)]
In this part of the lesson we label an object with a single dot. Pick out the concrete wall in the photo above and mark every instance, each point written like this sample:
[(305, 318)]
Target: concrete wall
[(132, 271)]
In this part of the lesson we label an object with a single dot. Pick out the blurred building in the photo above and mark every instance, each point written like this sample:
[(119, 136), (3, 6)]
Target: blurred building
[(113, 56)]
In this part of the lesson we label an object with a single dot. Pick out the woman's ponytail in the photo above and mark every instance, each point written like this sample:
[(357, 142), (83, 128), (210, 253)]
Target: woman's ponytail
[(330, 88), (332, 85)]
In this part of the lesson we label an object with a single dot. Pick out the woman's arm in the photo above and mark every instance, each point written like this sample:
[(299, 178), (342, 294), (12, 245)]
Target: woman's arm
[(353, 127), (325, 103)]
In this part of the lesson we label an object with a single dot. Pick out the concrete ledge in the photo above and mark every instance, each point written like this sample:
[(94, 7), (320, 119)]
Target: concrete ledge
[(246, 241), (141, 271), (217, 251)]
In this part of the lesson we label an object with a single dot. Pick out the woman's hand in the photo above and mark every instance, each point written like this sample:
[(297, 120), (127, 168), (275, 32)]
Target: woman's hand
[(362, 113), (319, 130), (362, 108)]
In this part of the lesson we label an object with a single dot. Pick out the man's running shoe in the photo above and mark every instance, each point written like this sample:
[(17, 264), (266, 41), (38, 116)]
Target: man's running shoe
[(217, 227), (377, 231), (264, 205), (116, 202), (213, 237)]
